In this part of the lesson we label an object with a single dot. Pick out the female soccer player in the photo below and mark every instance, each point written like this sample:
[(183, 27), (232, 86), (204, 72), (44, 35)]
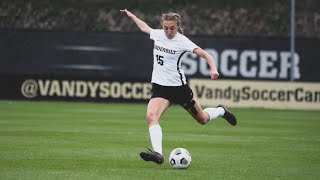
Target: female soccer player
[(169, 83)]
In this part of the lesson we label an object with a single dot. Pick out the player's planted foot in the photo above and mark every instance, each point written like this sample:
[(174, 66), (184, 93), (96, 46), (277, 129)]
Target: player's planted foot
[(152, 156), (228, 116)]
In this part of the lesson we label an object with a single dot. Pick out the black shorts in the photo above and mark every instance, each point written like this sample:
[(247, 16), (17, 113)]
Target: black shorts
[(175, 94)]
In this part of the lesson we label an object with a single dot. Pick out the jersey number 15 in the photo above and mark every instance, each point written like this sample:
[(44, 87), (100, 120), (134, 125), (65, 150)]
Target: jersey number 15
[(159, 60)]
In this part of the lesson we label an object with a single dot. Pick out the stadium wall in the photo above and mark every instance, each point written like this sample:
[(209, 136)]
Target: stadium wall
[(113, 67)]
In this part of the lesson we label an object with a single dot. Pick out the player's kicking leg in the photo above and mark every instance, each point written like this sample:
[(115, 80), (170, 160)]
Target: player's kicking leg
[(204, 116)]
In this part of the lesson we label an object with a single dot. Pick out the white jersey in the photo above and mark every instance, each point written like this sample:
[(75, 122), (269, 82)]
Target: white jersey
[(167, 55)]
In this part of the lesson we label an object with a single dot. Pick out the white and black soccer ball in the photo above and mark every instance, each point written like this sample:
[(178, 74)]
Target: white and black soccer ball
[(180, 158)]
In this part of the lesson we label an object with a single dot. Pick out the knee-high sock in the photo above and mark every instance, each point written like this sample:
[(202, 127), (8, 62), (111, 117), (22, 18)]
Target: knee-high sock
[(214, 112), (156, 137)]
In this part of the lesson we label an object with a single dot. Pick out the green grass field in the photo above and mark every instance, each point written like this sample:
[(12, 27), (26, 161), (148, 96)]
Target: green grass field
[(64, 140)]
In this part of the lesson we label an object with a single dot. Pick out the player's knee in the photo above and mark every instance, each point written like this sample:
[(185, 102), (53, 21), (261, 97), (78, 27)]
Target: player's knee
[(202, 122), (152, 118), (190, 106)]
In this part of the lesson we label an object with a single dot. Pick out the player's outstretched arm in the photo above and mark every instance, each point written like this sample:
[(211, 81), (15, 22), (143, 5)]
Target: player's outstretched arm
[(141, 24), (213, 69)]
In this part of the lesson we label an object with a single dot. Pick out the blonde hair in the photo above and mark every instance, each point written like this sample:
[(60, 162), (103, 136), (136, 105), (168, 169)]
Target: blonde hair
[(173, 17)]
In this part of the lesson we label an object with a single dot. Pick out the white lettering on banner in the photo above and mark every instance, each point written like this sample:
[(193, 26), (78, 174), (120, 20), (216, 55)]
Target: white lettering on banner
[(93, 88), (265, 94), (85, 89), (225, 64), (267, 69), (104, 92), (68, 89), (43, 87), (81, 89), (285, 65), (29, 88), (245, 69), (115, 90), (55, 89), (246, 63)]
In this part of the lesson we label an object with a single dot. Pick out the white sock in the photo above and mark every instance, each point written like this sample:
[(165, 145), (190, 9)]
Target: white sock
[(156, 137), (214, 112)]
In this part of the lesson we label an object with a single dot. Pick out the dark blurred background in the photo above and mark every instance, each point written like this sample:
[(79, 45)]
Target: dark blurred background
[(211, 17), (59, 49)]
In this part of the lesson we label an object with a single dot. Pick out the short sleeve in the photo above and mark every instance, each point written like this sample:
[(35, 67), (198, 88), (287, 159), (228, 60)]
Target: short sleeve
[(154, 34), (189, 45)]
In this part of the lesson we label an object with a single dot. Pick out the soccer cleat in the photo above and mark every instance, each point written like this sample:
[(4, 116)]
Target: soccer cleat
[(228, 116), (152, 156)]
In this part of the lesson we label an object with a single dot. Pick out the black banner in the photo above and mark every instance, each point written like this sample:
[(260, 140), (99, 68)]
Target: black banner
[(129, 55), (75, 54)]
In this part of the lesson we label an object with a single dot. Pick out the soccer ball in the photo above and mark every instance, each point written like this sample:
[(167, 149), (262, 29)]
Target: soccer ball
[(180, 158)]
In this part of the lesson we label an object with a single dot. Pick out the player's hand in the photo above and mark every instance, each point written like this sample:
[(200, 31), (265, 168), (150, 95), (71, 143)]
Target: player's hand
[(214, 74), (129, 14)]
